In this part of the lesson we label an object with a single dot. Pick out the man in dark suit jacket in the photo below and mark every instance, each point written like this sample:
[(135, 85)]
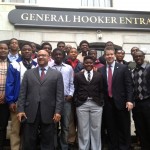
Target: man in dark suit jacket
[(118, 101), (89, 102), (40, 103)]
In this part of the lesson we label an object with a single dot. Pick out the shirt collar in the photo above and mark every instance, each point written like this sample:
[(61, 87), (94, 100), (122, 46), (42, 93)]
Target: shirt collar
[(142, 66), (112, 65), (16, 55), (46, 67), (62, 64), (88, 71)]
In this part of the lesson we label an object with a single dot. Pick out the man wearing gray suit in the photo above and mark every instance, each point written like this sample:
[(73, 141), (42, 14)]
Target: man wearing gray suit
[(40, 103)]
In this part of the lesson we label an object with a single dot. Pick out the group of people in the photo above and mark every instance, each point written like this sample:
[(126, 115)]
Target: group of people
[(61, 97)]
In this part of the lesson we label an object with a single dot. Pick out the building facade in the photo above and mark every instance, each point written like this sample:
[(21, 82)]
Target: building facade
[(120, 33)]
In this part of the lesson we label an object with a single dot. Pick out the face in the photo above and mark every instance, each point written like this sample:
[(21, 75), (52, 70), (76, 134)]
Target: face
[(109, 44), (61, 46), (84, 47), (26, 52), (88, 64), (93, 54), (14, 45), (48, 48), (3, 51), (133, 50), (73, 53), (33, 47), (68, 48), (120, 55), (42, 58), (139, 58), (109, 56), (58, 57)]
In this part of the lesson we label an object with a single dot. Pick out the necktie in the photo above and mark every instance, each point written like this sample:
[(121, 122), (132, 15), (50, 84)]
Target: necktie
[(89, 76), (42, 73), (109, 81)]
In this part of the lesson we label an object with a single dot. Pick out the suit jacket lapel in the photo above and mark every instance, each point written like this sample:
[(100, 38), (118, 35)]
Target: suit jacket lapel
[(116, 68), (105, 73), (93, 76), (36, 72), (46, 76), (83, 76)]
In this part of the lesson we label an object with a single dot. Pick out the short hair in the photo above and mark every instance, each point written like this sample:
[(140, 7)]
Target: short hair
[(12, 40), (57, 49), (140, 52), (45, 43), (43, 50), (92, 50), (106, 44), (3, 43), (61, 42), (116, 51), (84, 41), (27, 43), (135, 48), (87, 57), (108, 48), (73, 48)]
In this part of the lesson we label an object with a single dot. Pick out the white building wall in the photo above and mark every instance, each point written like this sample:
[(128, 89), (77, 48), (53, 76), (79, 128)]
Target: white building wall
[(141, 5)]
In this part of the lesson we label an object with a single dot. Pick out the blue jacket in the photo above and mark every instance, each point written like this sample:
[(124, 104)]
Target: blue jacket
[(14, 77)]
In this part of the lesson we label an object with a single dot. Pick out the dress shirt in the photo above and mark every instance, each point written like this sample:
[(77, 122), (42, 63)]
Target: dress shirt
[(46, 69), (86, 74), (112, 68), (68, 77), (13, 57), (3, 72)]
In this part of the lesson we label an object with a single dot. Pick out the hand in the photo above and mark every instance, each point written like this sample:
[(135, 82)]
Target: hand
[(57, 117), (68, 98), (20, 115), (13, 107), (129, 106)]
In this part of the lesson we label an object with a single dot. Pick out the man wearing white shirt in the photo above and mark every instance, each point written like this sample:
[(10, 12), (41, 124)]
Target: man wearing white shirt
[(89, 102), (13, 52), (118, 92)]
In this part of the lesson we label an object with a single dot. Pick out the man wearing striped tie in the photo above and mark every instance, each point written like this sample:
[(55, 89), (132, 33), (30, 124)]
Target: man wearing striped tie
[(89, 106)]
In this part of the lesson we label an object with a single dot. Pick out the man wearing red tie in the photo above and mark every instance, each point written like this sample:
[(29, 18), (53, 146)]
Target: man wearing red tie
[(118, 101)]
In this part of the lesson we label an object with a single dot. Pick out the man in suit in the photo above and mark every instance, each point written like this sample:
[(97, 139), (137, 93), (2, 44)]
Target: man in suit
[(40, 103), (118, 101), (89, 102)]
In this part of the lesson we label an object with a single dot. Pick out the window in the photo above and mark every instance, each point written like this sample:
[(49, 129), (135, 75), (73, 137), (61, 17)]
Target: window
[(65, 3), (20, 1), (96, 3)]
